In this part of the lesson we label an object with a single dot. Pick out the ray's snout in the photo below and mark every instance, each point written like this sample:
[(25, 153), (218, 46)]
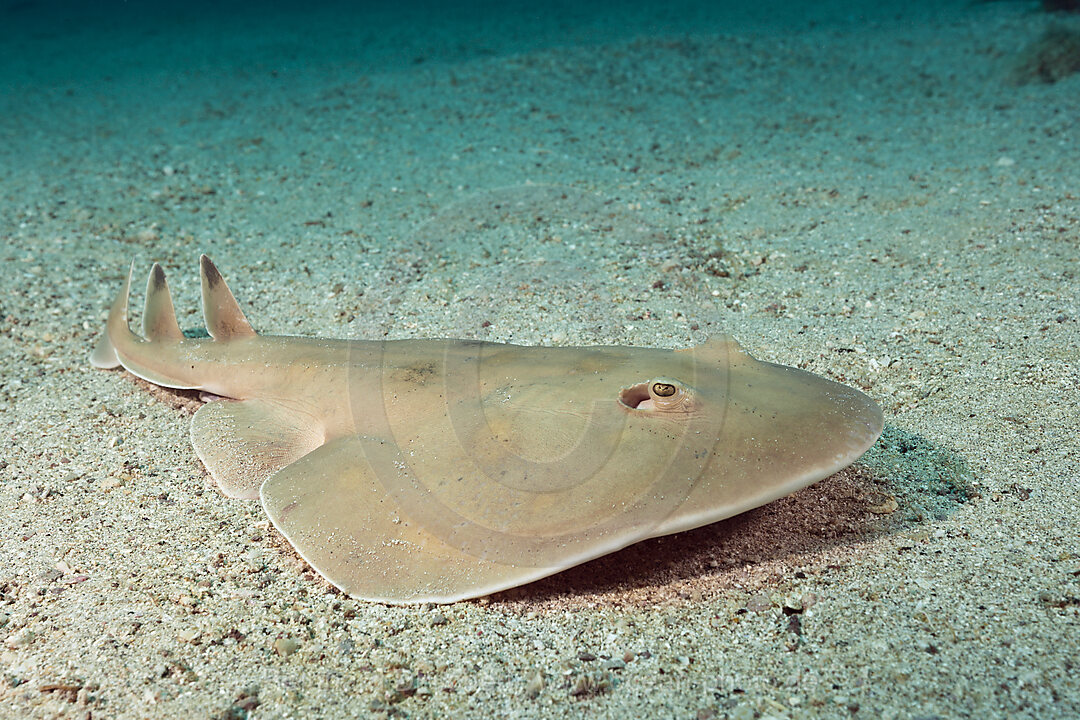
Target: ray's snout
[(801, 420)]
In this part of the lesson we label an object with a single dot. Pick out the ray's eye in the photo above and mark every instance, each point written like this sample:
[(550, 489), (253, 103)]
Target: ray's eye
[(663, 389), (661, 395)]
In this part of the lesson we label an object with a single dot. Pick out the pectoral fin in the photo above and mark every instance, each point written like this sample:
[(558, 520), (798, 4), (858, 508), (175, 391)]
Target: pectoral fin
[(341, 518), (243, 442)]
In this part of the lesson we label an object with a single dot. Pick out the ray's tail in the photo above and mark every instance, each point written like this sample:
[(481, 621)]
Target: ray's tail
[(118, 345)]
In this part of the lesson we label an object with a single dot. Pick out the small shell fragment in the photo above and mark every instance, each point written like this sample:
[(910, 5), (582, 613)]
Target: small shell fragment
[(887, 507)]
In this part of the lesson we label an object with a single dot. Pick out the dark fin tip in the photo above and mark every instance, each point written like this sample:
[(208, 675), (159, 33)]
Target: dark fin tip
[(157, 277), (210, 271)]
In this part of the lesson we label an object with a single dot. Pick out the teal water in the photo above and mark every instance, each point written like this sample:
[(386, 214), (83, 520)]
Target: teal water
[(344, 102)]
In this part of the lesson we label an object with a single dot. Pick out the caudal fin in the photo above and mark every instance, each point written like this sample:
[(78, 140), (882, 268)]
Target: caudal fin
[(104, 353)]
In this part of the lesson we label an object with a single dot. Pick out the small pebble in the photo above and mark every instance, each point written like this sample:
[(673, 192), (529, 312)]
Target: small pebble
[(285, 646), (20, 639), (758, 603), (742, 712), (50, 576), (535, 684), (188, 635)]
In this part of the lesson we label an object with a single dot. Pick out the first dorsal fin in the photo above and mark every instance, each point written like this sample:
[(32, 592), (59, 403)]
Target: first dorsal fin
[(159, 317), (224, 319)]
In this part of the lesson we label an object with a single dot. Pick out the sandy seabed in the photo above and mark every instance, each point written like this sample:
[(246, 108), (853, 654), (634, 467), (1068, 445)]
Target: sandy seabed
[(891, 201)]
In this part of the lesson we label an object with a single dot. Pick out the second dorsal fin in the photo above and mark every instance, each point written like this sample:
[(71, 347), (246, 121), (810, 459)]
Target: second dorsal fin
[(223, 317), (159, 317)]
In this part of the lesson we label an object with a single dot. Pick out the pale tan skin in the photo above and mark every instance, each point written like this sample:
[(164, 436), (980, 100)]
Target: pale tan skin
[(415, 471)]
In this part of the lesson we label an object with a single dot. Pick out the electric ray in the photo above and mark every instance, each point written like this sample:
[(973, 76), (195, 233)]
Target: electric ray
[(409, 471)]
